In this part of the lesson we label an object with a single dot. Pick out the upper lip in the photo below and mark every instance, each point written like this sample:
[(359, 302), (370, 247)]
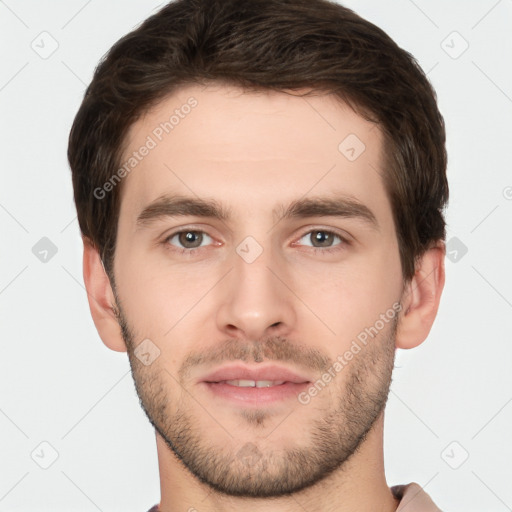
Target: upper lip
[(240, 372)]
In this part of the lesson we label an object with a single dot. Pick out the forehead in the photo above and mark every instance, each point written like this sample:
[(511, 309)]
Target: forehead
[(252, 150)]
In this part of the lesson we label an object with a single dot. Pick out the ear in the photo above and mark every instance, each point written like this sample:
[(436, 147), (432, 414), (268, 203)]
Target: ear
[(420, 300), (101, 299)]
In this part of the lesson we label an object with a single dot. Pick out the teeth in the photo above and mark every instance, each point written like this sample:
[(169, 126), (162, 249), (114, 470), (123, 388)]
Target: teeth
[(268, 383), (255, 383), (242, 383)]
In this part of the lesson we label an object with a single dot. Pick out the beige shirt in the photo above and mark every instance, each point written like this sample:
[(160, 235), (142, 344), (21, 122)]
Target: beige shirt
[(413, 499)]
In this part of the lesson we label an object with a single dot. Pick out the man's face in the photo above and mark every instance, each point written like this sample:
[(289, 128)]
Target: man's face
[(251, 313)]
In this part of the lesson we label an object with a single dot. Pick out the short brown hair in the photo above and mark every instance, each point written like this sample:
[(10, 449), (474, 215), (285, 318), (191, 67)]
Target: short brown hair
[(275, 45)]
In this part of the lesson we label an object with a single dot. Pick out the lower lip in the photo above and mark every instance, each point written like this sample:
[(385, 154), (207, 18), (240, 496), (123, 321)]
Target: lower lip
[(254, 395)]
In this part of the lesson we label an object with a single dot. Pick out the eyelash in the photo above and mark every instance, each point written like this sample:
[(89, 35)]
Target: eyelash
[(316, 250)]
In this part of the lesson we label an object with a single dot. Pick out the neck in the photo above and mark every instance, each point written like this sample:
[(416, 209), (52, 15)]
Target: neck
[(359, 485)]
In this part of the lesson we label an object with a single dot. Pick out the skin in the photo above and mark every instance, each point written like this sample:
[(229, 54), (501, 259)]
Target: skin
[(251, 152)]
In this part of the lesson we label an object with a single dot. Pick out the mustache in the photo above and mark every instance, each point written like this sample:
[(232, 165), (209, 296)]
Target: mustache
[(275, 348), (272, 348)]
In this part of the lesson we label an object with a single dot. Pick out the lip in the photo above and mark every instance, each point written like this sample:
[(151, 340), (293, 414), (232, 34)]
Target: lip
[(217, 386), (240, 372)]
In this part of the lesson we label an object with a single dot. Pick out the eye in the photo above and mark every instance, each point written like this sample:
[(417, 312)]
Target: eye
[(188, 239), (322, 239)]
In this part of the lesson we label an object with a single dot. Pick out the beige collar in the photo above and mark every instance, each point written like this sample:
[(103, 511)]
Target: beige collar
[(413, 499)]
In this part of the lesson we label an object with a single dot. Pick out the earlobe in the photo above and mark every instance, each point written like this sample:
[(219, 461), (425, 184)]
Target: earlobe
[(421, 297), (101, 299)]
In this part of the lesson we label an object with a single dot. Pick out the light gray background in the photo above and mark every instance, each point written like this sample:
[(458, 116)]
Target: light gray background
[(451, 397)]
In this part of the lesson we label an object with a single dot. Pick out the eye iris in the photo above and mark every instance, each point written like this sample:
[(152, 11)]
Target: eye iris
[(323, 238), (190, 239)]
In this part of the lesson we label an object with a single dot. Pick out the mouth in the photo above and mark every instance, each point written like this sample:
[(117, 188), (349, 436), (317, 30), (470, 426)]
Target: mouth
[(254, 383), (251, 386)]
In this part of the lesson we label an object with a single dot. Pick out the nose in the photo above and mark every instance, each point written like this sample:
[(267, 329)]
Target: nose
[(256, 301)]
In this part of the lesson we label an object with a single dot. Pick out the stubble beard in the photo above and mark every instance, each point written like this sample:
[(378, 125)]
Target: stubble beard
[(248, 469)]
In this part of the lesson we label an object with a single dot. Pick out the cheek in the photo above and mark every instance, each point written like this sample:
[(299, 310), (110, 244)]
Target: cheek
[(351, 296), (161, 298)]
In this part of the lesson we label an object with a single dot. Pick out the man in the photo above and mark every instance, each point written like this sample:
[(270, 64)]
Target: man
[(260, 187)]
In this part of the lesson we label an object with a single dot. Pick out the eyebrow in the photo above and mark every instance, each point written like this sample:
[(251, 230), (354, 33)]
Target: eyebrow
[(330, 206)]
